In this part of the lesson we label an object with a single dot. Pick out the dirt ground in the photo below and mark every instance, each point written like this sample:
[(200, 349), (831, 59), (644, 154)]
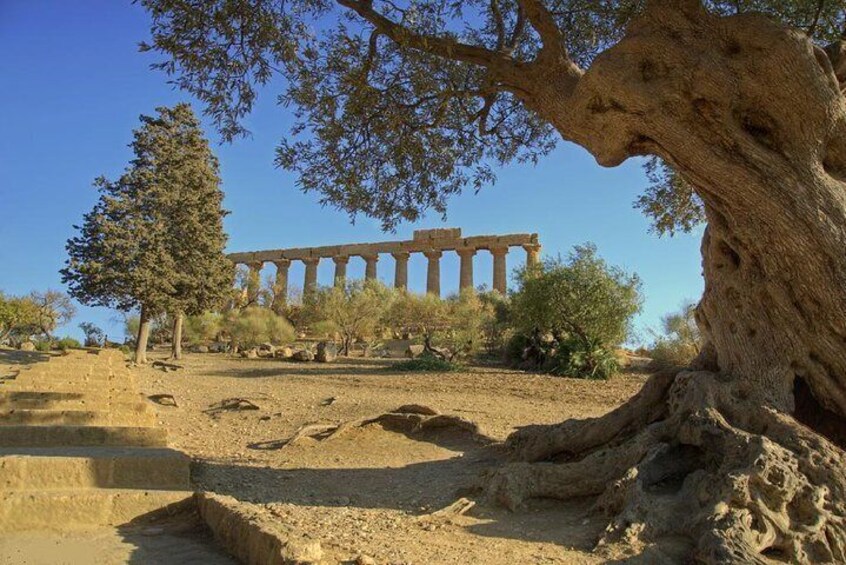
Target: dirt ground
[(369, 492)]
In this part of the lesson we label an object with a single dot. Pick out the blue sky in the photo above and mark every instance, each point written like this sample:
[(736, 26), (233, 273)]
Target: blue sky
[(74, 84)]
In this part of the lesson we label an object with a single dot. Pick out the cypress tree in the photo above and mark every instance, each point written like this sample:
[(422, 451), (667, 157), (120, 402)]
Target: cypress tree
[(154, 241)]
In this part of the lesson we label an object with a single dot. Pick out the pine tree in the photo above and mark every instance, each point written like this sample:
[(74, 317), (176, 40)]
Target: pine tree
[(154, 241)]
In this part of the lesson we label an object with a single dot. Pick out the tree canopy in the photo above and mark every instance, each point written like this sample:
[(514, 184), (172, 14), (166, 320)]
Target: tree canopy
[(400, 105)]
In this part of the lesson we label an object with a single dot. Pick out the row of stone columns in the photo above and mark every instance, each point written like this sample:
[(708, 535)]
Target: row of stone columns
[(433, 271)]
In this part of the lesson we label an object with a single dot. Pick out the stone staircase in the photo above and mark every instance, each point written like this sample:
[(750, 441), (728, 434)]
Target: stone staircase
[(79, 447)]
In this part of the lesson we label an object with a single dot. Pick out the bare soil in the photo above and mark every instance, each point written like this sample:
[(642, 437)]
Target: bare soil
[(369, 492)]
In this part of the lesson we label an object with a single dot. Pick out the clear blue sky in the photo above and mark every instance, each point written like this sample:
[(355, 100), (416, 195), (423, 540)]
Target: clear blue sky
[(74, 84)]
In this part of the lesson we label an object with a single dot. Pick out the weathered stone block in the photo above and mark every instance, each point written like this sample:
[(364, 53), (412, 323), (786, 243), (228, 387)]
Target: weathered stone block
[(326, 352)]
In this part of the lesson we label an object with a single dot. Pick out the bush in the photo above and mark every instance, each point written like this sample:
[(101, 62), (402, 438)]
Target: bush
[(577, 360), (582, 296), (680, 342), (572, 314), (356, 311), (451, 328), (67, 343), (203, 328), (426, 363), (496, 324), (255, 325), (43, 345)]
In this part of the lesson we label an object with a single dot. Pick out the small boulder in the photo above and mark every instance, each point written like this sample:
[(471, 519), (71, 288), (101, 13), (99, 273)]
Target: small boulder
[(326, 352), (27, 346), (250, 353), (283, 353), (267, 347), (200, 349), (303, 356), (414, 351)]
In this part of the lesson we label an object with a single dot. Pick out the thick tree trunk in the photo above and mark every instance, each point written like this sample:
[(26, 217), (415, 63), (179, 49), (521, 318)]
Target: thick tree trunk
[(742, 454), (143, 337), (176, 339)]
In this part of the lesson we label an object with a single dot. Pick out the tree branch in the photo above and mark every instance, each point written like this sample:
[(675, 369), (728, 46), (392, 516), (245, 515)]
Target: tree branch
[(441, 46), (541, 19)]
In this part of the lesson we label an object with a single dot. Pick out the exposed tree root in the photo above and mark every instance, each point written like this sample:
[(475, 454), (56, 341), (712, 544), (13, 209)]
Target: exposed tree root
[(230, 405), (409, 419), (742, 483), (572, 437)]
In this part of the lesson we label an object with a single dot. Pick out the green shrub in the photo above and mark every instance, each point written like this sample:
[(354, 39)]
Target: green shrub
[(202, 328), (426, 363), (252, 326), (454, 327), (580, 296), (67, 343), (680, 342), (574, 358), (43, 345)]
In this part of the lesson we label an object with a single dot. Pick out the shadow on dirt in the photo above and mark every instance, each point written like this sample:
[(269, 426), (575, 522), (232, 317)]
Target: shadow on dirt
[(16, 357), (415, 488), (261, 368), (169, 538)]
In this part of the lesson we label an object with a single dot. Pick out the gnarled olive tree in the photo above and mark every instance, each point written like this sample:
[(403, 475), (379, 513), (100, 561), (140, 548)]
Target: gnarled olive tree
[(404, 103)]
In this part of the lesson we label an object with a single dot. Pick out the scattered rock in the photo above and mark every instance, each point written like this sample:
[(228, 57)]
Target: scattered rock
[(284, 353), (27, 346), (200, 349), (163, 399), (250, 354), (363, 559), (303, 356), (414, 351), (326, 352)]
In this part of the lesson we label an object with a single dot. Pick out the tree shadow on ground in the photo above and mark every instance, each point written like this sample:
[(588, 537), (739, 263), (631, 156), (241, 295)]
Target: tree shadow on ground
[(415, 488), (17, 357), (262, 368)]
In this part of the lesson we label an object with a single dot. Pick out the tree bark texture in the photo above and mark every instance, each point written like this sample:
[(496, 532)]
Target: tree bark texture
[(176, 339), (741, 454), (143, 337)]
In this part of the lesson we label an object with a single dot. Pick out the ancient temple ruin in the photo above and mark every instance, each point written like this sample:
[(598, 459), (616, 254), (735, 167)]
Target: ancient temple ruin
[(431, 243)]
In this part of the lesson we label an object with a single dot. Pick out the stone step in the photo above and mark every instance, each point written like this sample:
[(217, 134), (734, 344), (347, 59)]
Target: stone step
[(36, 379), (67, 386), (67, 400), (55, 436), (39, 417), (37, 469), (74, 510)]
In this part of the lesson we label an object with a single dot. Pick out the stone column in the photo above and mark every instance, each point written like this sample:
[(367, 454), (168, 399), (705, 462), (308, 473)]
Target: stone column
[(433, 273), (370, 269), (532, 254), (499, 269), (254, 282), (466, 278), (401, 269), (310, 284), (340, 270), (280, 288)]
